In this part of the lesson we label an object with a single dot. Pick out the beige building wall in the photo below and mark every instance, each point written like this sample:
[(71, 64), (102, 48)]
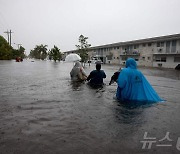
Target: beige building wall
[(146, 54), (161, 51), (167, 59)]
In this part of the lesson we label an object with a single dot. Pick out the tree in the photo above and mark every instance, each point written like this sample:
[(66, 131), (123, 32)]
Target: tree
[(39, 52), (43, 53), (55, 54), (83, 48), (5, 49), (7, 52), (19, 52)]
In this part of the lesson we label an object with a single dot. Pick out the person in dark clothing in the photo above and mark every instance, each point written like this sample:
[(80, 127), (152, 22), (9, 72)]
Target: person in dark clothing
[(95, 78), (115, 76)]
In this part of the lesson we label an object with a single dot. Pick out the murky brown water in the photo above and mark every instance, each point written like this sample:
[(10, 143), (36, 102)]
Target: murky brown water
[(42, 111)]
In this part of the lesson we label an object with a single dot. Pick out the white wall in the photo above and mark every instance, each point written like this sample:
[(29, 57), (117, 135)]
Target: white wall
[(168, 64), (146, 52)]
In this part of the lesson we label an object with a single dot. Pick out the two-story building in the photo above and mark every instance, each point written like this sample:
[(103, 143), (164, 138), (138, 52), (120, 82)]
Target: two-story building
[(163, 51)]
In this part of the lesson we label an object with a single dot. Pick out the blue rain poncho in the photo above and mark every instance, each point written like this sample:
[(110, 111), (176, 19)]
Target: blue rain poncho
[(133, 86)]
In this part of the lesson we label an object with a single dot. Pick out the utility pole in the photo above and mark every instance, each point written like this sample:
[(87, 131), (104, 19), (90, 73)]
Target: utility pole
[(7, 32), (9, 36)]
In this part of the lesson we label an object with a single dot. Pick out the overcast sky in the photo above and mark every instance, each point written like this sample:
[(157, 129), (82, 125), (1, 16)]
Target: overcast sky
[(61, 22)]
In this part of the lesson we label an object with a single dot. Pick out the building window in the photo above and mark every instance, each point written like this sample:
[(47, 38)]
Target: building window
[(149, 58), (167, 46), (143, 58), (109, 57), (163, 59), (157, 59), (124, 58), (174, 43), (136, 46), (176, 59), (158, 44), (173, 48), (160, 59), (144, 44), (149, 44), (162, 44)]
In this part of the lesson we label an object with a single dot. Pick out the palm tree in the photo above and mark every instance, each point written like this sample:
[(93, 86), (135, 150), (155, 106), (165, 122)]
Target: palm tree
[(55, 54), (39, 52)]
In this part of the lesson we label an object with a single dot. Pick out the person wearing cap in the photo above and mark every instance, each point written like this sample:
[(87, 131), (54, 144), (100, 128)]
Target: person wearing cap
[(95, 78)]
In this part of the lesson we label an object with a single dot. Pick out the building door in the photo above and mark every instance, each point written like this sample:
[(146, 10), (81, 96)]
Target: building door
[(173, 48), (168, 47)]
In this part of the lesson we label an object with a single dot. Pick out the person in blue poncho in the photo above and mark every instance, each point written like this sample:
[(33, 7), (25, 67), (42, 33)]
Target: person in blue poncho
[(133, 86)]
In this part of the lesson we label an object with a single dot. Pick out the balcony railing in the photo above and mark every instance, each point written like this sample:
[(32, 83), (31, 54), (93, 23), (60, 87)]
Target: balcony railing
[(133, 53)]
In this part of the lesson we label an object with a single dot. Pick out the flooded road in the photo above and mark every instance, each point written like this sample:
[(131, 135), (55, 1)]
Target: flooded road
[(42, 111)]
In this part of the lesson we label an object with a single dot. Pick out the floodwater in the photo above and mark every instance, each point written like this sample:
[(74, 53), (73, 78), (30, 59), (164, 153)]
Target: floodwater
[(42, 111)]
